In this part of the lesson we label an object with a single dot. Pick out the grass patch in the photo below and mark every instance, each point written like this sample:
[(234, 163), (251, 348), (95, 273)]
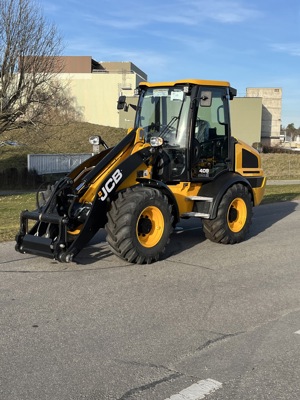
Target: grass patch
[(275, 193), (11, 206), (281, 166)]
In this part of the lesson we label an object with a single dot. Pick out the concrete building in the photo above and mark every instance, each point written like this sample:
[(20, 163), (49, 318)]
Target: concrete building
[(271, 113), (96, 86), (246, 116)]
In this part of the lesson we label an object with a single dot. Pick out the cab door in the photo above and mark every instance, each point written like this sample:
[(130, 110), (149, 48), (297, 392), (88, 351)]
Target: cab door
[(210, 133)]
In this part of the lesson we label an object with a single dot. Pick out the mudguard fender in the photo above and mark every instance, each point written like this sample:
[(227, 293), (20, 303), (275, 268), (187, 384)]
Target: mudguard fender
[(217, 188)]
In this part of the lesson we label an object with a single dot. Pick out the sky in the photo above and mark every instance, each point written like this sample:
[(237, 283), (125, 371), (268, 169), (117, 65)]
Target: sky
[(248, 43)]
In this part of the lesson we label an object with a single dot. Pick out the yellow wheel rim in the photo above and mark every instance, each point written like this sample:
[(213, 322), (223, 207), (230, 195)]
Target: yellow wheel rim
[(150, 226), (237, 215)]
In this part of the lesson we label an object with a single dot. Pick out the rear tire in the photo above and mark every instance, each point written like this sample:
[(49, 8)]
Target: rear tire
[(139, 225), (233, 219)]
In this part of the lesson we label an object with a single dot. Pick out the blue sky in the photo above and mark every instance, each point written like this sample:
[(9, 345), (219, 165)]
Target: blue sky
[(248, 43)]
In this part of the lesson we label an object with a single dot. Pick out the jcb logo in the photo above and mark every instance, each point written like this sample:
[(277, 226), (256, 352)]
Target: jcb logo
[(110, 184)]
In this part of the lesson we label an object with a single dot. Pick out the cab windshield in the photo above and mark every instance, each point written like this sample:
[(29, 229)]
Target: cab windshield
[(164, 112)]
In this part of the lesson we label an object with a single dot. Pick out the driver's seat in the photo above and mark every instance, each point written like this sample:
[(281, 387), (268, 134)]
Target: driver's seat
[(201, 130)]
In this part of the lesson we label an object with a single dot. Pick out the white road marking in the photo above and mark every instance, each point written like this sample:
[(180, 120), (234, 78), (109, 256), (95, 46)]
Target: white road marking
[(298, 332), (197, 391)]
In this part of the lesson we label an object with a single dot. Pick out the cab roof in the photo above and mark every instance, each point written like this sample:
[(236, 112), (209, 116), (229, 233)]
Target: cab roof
[(199, 82)]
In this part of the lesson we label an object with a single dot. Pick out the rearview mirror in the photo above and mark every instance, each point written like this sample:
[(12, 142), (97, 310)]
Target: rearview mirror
[(121, 103), (205, 98)]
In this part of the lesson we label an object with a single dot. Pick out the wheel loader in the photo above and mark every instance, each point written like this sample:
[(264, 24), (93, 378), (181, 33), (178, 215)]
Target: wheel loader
[(178, 161)]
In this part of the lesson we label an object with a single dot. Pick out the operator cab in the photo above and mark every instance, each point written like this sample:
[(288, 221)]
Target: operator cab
[(192, 118)]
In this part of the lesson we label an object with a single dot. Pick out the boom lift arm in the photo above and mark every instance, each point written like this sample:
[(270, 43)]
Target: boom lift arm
[(78, 203)]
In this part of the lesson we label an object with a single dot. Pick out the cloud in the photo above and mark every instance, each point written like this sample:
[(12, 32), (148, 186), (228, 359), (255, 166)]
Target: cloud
[(177, 12), (227, 11), (184, 40), (292, 49), (145, 59), (50, 8), (117, 21)]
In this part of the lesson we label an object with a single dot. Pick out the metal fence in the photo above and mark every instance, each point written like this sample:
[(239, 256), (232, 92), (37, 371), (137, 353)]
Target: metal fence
[(54, 163)]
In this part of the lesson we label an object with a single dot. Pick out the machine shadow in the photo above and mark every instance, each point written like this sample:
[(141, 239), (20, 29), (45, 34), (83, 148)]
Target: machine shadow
[(96, 250), (187, 234), (267, 215)]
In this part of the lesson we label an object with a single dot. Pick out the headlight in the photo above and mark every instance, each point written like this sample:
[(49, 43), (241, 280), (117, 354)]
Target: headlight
[(156, 141), (94, 140)]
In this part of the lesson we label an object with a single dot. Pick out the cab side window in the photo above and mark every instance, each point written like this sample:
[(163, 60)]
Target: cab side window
[(210, 133)]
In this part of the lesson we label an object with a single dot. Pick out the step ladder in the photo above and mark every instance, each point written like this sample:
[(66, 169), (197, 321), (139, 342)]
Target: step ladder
[(207, 200)]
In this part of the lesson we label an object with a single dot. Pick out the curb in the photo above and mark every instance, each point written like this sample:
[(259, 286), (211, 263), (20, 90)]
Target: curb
[(283, 182)]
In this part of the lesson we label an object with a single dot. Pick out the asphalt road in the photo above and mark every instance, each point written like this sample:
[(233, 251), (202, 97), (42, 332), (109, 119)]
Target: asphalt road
[(210, 321)]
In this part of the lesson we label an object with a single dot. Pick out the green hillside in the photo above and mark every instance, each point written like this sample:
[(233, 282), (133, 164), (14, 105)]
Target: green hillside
[(69, 138), (73, 138)]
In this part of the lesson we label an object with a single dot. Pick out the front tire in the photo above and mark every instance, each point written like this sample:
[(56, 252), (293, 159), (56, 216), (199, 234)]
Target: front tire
[(233, 219), (139, 225)]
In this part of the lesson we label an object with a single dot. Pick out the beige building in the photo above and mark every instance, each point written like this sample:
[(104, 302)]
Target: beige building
[(271, 113), (96, 86), (245, 116)]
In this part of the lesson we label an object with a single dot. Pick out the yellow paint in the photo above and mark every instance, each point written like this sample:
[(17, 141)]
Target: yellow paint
[(156, 222), (186, 81), (91, 192), (181, 191), (258, 193), (237, 215)]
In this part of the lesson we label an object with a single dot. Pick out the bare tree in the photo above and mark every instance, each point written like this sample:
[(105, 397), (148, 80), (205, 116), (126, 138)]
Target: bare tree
[(29, 63)]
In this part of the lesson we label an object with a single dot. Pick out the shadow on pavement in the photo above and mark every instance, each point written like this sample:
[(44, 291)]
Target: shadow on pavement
[(267, 215), (188, 233)]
